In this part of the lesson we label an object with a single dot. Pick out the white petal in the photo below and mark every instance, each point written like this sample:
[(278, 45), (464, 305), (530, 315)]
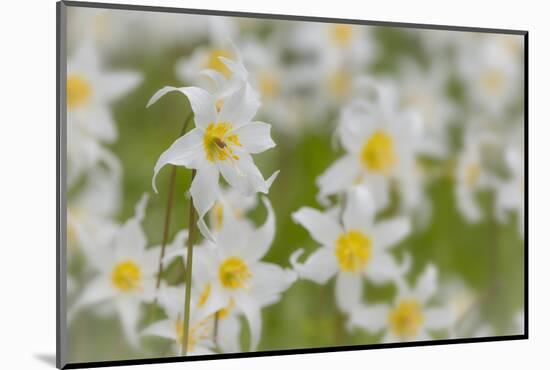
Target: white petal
[(185, 151), (240, 107), (340, 175), (255, 137), (243, 174), (426, 285), (320, 266), (348, 291), (129, 315), (359, 209), (383, 268), (389, 233), (202, 103), (117, 84), (372, 318), (229, 334), (164, 329), (438, 318), (97, 290), (253, 315), (269, 281), (322, 227), (205, 188), (261, 239)]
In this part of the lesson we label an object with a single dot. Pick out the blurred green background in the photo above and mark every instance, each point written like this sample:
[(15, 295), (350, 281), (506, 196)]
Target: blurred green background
[(487, 257)]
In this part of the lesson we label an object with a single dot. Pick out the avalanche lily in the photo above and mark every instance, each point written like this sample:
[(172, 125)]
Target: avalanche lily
[(356, 248)]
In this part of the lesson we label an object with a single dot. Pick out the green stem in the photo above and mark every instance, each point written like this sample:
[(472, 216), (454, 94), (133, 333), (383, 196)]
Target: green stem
[(188, 272), (167, 220)]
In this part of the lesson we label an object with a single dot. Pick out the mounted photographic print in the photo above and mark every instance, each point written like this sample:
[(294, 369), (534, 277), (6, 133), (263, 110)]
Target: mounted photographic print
[(234, 184)]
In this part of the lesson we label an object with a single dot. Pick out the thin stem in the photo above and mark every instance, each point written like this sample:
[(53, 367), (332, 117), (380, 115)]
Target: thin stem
[(216, 325), (167, 220), (188, 272)]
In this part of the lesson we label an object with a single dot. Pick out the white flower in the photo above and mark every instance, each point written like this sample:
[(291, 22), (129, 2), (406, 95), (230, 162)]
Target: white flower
[(352, 250), (90, 91), (380, 147), (510, 194), (90, 222), (470, 177), (411, 316), (230, 274), (492, 69), (201, 323), (220, 31), (231, 200), (125, 274), (222, 142)]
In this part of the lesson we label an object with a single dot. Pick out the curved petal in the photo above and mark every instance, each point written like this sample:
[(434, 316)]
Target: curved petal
[(319, 267), (185, 151), (372, 318), (322, 228), (340, 175), (383, 268), (269, 281), (254, 317), (243, 174), (205, 188), (259, 242), (202, 103), (389, 233), (163, 329), (240, 107), (255, 137), (128, 311), (229, 334), (348, 291), (426, 285), (359, 210), (438, 318), (116, 84)]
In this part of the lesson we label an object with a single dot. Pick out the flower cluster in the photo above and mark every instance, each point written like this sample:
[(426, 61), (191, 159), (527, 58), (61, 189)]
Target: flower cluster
[(374, 131)]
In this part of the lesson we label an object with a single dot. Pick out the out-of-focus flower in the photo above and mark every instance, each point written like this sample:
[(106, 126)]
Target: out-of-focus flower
[(470, 177), (222, 142), (352, 250), (125, 273), (410, 317), (208, 57), (90, 92), (510, 194), (201, 323), (380, 147), (231, 200), (90, 222), (492, 72)]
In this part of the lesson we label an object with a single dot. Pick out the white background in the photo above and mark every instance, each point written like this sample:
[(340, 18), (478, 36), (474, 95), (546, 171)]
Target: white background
[(27, 203)]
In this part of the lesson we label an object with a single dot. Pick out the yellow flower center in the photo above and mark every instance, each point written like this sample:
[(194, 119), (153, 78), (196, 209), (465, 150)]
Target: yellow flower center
[(406, 318), (126, 276), (201, 331), (341, 34), (204, 295), (79, 91), (378, 153), (214, 62), (472, 174), (218, 142), (492, 81), (234, 273), (269, 85), (353, 250), (339, 83)]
